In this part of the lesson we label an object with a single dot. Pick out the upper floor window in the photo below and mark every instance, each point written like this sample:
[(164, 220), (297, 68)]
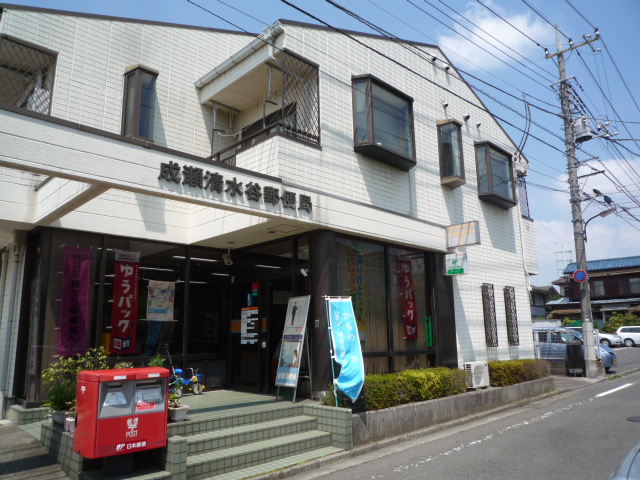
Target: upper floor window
[(139, 103), (597, 288), (495, 175), (634, 286), (450, 149), (383, 122), (26, 75)]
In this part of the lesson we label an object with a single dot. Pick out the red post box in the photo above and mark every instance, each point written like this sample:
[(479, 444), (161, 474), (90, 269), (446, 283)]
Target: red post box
[(121, 411)]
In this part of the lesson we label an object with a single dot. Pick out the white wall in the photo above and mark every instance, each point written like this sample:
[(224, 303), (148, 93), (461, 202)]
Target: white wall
[(88, 90)]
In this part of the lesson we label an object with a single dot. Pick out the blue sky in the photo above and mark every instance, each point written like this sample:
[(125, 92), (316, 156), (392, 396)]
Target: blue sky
[(468, 32)]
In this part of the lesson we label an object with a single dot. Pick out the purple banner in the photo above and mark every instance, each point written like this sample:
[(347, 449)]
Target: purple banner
[(74, 309)]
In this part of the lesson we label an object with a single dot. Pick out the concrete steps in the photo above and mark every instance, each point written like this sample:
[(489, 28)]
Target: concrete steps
[(277, 464), (216, 462), (237, 444), (229, 437)]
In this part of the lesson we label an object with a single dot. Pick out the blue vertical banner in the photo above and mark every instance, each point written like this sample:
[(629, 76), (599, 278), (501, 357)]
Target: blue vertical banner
[(346, 346)]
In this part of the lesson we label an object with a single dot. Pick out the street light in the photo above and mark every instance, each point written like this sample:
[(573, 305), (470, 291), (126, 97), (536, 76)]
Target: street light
[(603, 213)]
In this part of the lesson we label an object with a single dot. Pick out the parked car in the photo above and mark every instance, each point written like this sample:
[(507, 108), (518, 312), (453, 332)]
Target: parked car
[(629, 468), (553, 345), (608, 339), (630, 335)]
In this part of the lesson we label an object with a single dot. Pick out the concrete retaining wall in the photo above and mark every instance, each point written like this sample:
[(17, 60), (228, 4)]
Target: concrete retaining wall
[(377, 425)]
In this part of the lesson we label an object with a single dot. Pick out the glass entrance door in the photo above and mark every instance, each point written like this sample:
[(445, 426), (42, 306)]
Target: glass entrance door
[(247, 336), (259, 310)]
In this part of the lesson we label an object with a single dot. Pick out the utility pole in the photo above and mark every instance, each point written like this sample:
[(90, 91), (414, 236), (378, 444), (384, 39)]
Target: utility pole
[(591, 368)]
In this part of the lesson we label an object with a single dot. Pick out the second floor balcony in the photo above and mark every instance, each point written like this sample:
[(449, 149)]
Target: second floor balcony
[(261, 91)]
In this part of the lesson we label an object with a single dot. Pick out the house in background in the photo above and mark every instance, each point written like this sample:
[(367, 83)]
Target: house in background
[(231, 172), (614, 285), (540, 296)]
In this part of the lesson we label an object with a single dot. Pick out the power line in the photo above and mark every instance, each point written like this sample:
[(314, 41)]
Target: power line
[(496, 39), (413, 49), (608, 53), (474, 43), (545, 19), (453, 52), (400, 64), (478, 106), (511, 25)]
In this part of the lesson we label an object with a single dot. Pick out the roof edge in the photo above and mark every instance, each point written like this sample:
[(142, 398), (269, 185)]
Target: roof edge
[(97, 16)]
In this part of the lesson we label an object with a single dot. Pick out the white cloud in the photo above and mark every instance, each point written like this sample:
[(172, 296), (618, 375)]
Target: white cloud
[(472, 57)]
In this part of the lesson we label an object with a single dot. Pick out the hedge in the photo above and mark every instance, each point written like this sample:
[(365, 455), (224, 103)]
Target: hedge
[(503, 373), (392, 389)]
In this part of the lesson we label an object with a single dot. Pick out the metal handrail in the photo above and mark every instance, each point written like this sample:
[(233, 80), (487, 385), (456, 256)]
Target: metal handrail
[(279, 128)]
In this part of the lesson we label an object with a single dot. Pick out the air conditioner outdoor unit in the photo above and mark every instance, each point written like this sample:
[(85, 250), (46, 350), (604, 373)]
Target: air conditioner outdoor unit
[(477, 374)]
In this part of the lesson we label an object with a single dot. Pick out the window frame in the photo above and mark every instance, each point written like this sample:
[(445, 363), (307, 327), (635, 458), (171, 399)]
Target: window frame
[(47, 67), (451, 181), (489, 314), (597, 288), (370, 147), (490, 194), (135, 74), (511, 312)]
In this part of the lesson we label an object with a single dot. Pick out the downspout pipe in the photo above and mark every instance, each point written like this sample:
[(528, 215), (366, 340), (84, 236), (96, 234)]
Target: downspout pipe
[(19, 240), (267, 37)]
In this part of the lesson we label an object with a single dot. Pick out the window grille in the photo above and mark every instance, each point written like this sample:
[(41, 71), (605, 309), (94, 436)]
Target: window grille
[(26, 75), (512, 316), (523, 197), (489, 307), (300, 98)]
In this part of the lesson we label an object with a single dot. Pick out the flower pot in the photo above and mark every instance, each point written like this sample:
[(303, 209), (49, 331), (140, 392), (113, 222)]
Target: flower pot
[(58, 416), (70, 424), (178, 414)]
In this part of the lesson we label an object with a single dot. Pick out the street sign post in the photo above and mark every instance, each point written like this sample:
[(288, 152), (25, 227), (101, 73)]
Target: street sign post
[(580, 275)]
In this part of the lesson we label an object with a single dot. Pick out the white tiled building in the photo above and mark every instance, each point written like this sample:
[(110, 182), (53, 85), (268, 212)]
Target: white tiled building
[(127, 135)]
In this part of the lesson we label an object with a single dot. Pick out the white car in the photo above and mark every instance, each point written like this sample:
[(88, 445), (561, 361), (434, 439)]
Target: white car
[(630, 336), (609, 339)]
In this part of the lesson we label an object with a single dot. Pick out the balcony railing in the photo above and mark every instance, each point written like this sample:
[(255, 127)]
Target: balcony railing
[(228, 154)]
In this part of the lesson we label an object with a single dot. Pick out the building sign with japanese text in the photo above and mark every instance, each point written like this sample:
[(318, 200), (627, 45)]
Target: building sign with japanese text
[(456, 264), (195, 177)]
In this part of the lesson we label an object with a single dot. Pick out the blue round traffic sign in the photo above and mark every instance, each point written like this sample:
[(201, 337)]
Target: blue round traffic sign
[(579, 275)]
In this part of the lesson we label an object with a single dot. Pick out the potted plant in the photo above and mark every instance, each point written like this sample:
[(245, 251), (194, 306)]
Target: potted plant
[(61, 379), (61, 396), (177, 411), (157, 360)]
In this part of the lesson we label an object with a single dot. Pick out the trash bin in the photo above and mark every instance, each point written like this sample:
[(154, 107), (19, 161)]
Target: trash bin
[(575, 358)]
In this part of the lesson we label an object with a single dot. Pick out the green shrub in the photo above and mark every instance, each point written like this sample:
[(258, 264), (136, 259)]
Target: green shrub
[(61, 377), (157, 360), (392, 389), (503, 373)]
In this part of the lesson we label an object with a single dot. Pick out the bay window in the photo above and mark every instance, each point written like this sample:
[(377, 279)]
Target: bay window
[(450, 151), (383, 123), (495, 175)]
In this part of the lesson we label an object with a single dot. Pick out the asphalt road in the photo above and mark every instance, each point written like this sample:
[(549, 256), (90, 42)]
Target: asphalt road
[(582, 434), (628, 359)]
